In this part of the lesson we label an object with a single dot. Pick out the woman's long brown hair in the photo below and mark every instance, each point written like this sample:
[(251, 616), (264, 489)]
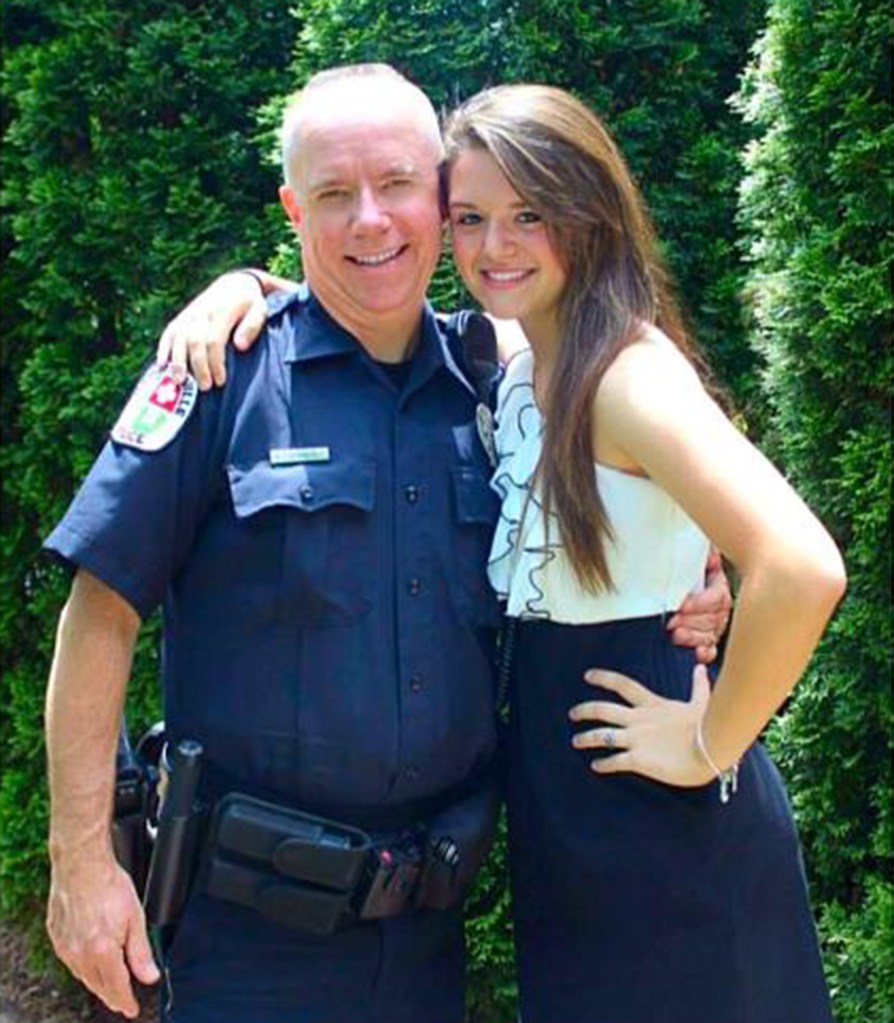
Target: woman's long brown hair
[(561, 160)]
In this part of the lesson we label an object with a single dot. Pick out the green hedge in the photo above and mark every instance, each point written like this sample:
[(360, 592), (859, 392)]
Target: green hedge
[(136, 165), (130, 177), (816, 216)]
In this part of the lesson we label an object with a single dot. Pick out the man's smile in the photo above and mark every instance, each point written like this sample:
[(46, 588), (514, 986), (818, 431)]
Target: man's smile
[(378, 258)]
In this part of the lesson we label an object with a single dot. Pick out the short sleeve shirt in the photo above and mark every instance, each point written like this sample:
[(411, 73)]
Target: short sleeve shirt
[(318, 538)]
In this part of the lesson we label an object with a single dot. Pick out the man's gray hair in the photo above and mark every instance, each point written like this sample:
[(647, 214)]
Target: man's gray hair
[(382, 73)]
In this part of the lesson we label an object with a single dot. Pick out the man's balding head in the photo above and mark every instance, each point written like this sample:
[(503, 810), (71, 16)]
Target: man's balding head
[(357, 90)]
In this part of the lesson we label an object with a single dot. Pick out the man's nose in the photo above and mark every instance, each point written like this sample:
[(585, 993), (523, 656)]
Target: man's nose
[(370, 213)]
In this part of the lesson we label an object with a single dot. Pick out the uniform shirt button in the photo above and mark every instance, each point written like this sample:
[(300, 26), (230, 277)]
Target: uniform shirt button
[(411, 493), (416, 684), (414, 586), (306, 492)]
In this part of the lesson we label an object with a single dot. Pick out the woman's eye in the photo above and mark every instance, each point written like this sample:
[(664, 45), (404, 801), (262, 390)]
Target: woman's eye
[(529, 217), (467, 219)]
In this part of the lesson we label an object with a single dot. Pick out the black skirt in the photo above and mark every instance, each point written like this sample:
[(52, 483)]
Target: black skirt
[(638, 902)]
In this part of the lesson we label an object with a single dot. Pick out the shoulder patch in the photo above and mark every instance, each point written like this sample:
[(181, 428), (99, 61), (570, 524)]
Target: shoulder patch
[(156, 411)]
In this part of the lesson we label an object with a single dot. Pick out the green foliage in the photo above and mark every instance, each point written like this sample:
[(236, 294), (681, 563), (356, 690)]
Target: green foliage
[(137, 164), (492, 989), (816, 210), (859, 964), (659, 72), (129, 176)]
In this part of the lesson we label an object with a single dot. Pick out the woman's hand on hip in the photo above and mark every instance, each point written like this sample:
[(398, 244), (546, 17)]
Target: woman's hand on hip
[(647, 734)]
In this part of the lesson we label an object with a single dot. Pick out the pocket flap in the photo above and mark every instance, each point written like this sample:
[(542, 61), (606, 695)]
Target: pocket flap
[(305, 487), (475, 501)]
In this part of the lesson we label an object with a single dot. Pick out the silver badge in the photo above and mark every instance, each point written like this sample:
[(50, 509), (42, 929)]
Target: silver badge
[(484, 419)]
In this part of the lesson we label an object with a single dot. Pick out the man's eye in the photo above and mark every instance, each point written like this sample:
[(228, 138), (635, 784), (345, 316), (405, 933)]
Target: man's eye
[(331, 194), (392, 183)]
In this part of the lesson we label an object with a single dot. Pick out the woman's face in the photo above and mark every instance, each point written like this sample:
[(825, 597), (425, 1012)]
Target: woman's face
[(502, 247)]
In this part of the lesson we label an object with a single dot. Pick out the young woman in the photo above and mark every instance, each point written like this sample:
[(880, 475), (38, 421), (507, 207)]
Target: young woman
[(643, 891), (656, 871)]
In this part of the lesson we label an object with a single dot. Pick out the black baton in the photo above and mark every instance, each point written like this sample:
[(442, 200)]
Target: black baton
[(179, 826)]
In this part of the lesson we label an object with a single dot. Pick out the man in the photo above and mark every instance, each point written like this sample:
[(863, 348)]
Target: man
[(318, 532)]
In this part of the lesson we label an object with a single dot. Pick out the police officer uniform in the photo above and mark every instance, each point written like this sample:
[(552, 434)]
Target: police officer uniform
[(318, 532)]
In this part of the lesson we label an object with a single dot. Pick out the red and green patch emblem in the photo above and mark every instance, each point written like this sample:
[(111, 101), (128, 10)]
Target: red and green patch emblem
[(156, 411)]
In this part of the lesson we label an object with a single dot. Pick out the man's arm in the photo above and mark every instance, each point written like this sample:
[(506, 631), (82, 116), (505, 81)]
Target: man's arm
[(94, 917)]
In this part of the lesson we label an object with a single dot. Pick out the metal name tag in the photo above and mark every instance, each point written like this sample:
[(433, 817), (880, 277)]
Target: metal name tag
[(298, 456)]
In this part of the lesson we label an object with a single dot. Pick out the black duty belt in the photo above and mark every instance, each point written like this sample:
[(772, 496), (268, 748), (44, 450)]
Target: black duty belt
[(306, 871), (301, 870)]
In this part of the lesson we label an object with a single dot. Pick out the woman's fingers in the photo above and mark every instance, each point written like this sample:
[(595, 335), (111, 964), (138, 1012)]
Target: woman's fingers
[(602, 710), (216, 354), (650, 735), (251, 324), (197, 338), (176, 335), (603, 738), (627, 688), (614, 764), (701, 689), (198, 361)]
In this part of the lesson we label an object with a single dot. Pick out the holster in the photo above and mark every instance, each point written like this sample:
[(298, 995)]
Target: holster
[(459, 838), (286, 864), (135, 804), (320, 875), (178, 837), (129, 837)]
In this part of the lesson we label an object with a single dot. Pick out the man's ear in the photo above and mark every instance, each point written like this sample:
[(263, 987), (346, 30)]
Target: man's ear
[(291, 205)]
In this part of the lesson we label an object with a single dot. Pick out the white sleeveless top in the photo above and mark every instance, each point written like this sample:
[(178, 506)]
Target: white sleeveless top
[(656, 556)]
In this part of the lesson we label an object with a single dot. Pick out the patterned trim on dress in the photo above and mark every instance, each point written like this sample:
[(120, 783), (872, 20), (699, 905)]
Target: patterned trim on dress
[(510, 528)]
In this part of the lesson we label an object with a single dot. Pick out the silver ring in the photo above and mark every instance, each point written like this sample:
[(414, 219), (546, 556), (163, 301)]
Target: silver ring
[(608, 738)]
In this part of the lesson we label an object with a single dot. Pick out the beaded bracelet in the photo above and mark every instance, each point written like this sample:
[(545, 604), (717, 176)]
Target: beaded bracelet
[(729, 778)]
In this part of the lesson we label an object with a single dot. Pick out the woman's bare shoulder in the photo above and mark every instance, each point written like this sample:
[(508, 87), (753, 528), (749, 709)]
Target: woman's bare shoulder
[(649, 366)]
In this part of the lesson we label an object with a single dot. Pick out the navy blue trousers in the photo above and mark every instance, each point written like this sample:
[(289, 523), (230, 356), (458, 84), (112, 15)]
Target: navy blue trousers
[(227, 965)]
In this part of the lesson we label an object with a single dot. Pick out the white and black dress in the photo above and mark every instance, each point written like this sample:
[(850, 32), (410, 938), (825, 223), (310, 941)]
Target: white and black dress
[(634, 901)]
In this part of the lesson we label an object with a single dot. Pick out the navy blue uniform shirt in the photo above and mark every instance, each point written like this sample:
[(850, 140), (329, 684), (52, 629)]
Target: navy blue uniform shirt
[(328, 626)]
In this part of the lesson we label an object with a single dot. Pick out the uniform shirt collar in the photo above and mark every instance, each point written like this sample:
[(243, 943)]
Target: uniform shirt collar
[(316, 334), (434, 354), (319, 335)]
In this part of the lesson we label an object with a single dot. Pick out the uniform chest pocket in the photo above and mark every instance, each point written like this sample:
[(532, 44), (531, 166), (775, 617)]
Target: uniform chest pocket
[(477, 508), (325, 515)]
